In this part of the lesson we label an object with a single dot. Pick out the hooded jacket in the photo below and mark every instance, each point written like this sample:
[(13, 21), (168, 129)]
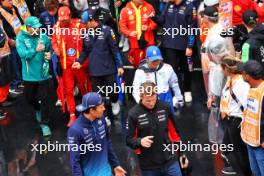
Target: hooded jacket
[(164, 77), (253, 48), (32, 61)]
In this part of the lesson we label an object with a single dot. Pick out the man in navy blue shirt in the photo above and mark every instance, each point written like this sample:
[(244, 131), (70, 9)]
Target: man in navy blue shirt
[(94, 154)]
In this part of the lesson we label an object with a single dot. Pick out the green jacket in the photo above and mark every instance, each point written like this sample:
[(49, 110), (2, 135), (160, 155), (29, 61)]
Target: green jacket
[(32, 61)]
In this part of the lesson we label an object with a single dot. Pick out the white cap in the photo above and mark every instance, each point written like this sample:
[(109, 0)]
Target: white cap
[(211, 2)]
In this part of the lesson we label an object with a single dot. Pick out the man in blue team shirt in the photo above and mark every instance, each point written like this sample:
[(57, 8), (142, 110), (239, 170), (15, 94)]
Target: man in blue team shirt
[(90, 130)]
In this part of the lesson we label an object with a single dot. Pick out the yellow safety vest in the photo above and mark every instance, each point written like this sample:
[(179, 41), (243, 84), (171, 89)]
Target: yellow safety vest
[(22, 9), (4, 51), (250, 127), (12, 19)]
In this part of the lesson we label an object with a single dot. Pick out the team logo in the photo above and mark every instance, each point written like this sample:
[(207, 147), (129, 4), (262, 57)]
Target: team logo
[(71, 52), (144, 9), (100, 122), (130, 12), (85, 131), (154, 52), (237, 8)]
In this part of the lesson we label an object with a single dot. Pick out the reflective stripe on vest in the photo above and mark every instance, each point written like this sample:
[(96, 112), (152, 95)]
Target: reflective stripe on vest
[(22, 9), (12, 19), (250, 128)]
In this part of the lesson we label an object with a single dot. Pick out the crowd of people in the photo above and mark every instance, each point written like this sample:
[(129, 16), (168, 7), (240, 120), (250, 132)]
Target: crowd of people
[(82, 47)]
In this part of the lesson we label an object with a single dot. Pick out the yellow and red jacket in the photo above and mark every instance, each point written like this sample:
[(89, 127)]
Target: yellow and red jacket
[(132, 18), (69, 42)]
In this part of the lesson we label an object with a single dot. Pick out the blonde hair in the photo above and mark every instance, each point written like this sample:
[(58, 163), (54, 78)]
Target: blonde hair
[(231, 64)]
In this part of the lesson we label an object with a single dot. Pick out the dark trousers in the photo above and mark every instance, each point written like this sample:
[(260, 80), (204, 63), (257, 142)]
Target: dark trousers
[(17, 66), (105, 85), (37, 95), (238, 158), (170, 170), (178, 60)]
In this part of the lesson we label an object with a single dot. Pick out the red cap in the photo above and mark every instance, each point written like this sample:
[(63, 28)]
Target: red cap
[(64, 13)]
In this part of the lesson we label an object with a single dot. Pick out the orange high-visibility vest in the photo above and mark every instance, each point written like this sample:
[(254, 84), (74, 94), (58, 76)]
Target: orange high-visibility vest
[(12, 19), (250, 128), (226, 97), (4, 51), (22, 9)]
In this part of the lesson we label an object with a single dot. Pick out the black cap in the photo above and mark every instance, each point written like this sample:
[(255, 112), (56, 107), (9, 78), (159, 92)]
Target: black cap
[(211, 11), (253, 68), (250, 15)]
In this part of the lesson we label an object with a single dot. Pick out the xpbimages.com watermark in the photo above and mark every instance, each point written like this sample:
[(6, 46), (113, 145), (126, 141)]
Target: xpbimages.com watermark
[(72, 147), (81, 32), (189, 147), (108, 90)]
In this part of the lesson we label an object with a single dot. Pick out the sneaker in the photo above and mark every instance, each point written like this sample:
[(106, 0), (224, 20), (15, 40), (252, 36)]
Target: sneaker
[(126, 46), (187, 97), (121, 42), (21, 86), (6, 104), (228, 171), (75, 91), (3, 115), (58, 103), (72, 120), (15, 91), (115, 108), (45, 130)]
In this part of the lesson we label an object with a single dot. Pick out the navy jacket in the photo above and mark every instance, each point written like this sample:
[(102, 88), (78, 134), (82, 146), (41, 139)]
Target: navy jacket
[(47, 20), (102, 51), (172, 19), (95, 155)]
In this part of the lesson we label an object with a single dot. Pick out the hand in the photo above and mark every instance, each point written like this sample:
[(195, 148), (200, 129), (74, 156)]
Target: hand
[(133, 34), (119, 171), (186, 162), (120, 71), (189, 52), (223, 115), (57, 51), (210, 102), (144, 27), (262, 145), (118, 4), (12, 43), (40, 48), (47, 55), (146, 141), (76, 65)]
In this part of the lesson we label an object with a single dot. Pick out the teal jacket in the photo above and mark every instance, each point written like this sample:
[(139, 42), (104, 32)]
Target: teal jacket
[(32, 61)]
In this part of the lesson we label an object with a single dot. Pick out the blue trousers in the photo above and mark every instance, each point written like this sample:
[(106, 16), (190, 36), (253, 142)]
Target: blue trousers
[(171, 170), (17, 65), (256, 160)]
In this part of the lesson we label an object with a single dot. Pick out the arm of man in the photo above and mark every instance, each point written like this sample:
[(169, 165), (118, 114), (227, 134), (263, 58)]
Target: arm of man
[(131, 139), (174, 84), (74, 139), (123, 22), (111, 39), (23, 51), (112, 158), (192, 22)]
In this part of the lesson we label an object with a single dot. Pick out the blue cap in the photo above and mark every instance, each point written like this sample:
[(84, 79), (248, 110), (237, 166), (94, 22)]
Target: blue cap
[(153, 53), (90, 100), (86, 16)]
